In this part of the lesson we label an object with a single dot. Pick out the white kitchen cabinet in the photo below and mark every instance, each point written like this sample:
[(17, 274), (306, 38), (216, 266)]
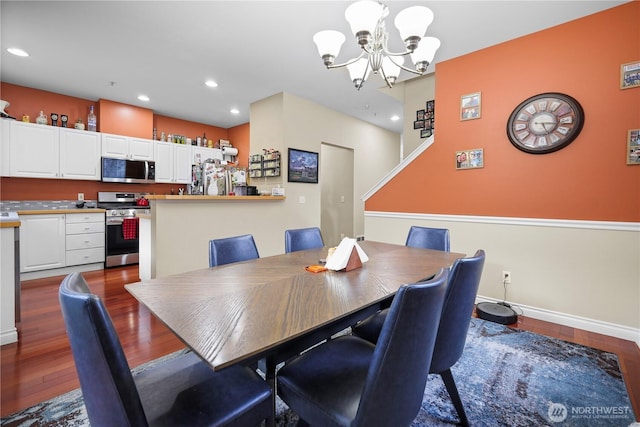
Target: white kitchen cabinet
[(200, 154), (125, 147), (85, 238), (173, 162), (42, 242), (34, 150), (79, 154), (40, 151)]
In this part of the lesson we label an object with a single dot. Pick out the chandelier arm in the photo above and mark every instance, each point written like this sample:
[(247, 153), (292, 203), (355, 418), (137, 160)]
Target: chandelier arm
[(410, 70), (349, 62), (404, 67)]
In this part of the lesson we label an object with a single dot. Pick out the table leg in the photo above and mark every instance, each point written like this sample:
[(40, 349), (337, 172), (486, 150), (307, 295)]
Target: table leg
[(270, 375)]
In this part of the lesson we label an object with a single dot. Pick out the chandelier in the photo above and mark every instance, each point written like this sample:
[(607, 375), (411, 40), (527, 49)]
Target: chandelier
[(366, 19)]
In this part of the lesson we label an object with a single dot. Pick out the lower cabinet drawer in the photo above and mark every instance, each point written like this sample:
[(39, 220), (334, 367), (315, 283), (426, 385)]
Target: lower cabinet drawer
[(85, 241), (85, 256), (85, 227)]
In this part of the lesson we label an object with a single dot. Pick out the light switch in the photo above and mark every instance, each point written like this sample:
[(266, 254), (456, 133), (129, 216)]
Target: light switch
[(341, 199), (301, 200)]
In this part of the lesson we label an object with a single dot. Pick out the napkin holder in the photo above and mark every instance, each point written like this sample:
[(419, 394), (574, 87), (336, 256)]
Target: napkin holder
[(354, 261)]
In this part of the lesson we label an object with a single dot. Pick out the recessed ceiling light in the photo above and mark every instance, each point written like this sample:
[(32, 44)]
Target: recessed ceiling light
[(395, 118), (144, 98), (235, 111), (211, 83), (17, 52)]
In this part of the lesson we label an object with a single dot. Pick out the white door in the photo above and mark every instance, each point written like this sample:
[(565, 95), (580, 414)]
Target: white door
[(115, 146), (42, 242), (34, 150), (79, 154), (182, 164), (164, 161), (141, 149)]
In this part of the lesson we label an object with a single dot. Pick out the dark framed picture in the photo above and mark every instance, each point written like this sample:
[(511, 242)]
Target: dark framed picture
[(418, 124), (420, 115), (426, 132), (303, 166)]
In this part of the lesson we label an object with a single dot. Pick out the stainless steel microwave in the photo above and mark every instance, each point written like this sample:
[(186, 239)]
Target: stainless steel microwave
[(131, 171)]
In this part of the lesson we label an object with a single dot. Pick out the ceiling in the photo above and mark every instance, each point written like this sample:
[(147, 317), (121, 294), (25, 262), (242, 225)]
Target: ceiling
[(166, 50)]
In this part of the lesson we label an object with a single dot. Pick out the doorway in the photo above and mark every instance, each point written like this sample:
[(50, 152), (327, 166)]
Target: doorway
[(336, 170)]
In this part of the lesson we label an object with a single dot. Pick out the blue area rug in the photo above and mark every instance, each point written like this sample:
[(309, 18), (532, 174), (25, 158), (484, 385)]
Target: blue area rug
[(506, 377)]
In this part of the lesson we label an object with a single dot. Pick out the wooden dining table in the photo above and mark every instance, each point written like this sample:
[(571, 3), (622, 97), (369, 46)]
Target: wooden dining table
[(270, 309)]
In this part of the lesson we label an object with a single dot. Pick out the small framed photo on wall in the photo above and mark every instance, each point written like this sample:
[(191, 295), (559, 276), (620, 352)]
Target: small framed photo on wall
[(633, 147), (470, 159), (470, 106), (630, 75)]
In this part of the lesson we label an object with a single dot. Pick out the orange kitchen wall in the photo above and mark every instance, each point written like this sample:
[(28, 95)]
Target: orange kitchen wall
[(122, 119), (192, 130), (587, 180), (239, 137), (113, 117), (12, 188), (28, 101)]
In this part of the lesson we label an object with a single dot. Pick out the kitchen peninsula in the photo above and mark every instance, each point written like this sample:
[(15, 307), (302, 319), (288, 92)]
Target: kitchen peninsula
[(174, 237)]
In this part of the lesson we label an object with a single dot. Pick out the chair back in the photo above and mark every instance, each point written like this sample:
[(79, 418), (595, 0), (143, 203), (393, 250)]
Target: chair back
[(428, 238), (108, 389), (232, 249), (464, 280), (302, 238), (396, 379)]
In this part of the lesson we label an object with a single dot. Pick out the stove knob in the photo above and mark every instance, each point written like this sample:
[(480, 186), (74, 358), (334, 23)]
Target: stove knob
[(113, 213)]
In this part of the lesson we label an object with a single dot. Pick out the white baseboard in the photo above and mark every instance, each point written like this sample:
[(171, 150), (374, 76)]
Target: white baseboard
[(591, 325), (63, 271), (9, 336)]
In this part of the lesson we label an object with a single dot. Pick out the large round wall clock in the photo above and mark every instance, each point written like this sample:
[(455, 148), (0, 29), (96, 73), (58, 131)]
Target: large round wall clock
[(544, 123)]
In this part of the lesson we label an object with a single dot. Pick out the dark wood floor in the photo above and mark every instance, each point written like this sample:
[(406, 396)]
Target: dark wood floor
[(41, 366)]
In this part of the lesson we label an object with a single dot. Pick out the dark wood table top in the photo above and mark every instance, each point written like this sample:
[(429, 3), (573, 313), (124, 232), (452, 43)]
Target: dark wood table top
[(241, 312)]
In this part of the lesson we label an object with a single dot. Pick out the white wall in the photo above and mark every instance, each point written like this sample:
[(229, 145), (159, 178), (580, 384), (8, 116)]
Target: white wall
[(284, 120), (578, 273)]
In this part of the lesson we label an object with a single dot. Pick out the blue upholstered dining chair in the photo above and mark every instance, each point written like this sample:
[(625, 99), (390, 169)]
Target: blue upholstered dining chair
[(464, 281), (428, 238), (302, 238), (232, 249), (182, 390), (351, 382)]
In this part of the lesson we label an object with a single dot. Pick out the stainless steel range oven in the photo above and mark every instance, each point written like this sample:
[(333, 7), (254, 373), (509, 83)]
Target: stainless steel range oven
[(122, 241)]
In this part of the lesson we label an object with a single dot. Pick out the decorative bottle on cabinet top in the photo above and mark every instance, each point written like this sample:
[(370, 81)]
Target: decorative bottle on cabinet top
[(92, 121), (41, 119)]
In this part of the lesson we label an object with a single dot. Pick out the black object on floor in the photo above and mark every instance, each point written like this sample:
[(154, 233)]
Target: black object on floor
[(496, 312)]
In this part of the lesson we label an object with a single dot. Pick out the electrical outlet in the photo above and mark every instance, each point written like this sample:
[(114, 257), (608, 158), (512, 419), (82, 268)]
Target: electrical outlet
[(506, 277), (80, 196)]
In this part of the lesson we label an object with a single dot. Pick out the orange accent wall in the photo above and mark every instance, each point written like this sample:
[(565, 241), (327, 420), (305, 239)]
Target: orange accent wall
[(24, 100), (124, 119), (239, 137), (12, 188), (170, 125), (587, 180)]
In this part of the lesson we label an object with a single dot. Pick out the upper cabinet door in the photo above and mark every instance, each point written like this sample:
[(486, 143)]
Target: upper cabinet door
[(79, 154), (34, 150), (141, 149), (115, 146)]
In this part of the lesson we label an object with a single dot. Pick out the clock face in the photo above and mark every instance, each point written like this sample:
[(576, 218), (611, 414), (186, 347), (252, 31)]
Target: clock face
[(545, 123)]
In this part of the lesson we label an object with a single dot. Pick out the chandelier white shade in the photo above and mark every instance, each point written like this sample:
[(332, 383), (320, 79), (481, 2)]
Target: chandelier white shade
[(367, 21)]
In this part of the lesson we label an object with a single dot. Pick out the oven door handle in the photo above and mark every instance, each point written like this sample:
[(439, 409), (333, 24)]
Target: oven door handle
[(115, 221)]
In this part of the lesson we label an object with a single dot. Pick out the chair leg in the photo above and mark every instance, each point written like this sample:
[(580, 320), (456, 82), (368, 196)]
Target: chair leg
[(450, 384)]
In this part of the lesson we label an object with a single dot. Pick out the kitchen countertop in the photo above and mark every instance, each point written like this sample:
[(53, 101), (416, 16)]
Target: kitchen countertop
[(9, 220), (210, 198), (61, 211)]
